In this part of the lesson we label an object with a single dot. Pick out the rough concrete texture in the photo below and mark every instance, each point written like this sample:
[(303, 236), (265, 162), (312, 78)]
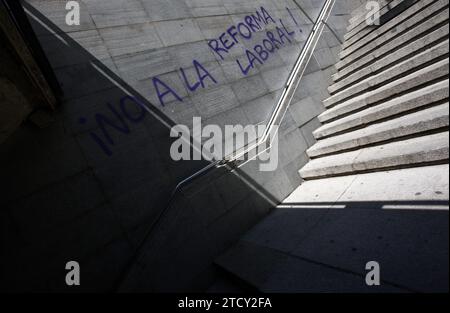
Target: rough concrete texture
[(88, 187), (321, 238)]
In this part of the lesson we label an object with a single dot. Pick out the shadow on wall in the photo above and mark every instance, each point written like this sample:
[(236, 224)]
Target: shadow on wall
[(87, 188)]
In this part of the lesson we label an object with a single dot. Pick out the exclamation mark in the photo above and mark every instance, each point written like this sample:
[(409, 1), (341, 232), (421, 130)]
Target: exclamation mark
[(292, 15)]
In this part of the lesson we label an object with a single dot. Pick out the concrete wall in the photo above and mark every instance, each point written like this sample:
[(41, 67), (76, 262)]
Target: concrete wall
[(88, 187)]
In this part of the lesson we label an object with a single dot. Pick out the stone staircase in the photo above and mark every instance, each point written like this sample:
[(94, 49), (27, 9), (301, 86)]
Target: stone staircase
[(388, 107), (376, 186)]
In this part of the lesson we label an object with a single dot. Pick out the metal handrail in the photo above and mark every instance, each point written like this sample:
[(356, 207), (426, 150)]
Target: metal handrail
[(277, 116), (291, 86), (293, 82)]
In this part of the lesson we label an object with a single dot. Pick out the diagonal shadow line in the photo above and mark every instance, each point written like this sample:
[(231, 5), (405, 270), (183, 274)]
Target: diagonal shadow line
[(129, 89), (149, 106), (165, 120)]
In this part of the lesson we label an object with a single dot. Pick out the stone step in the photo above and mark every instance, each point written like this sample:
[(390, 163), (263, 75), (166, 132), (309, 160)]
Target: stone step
[(390, 31), (420, 98), (422, 59), (408, 153), (383, 56), (359, 28), (391, 186), (427, 120), (423, 76)]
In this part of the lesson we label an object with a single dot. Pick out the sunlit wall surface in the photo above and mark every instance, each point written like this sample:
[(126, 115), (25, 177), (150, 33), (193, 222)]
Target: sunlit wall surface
[(222, 60)]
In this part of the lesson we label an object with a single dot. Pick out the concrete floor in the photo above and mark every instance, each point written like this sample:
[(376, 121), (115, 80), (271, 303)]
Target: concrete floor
[(312, 246)]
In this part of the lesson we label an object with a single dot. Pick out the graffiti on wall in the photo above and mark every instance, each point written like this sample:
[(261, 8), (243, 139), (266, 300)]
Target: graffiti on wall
[(279, 36)]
